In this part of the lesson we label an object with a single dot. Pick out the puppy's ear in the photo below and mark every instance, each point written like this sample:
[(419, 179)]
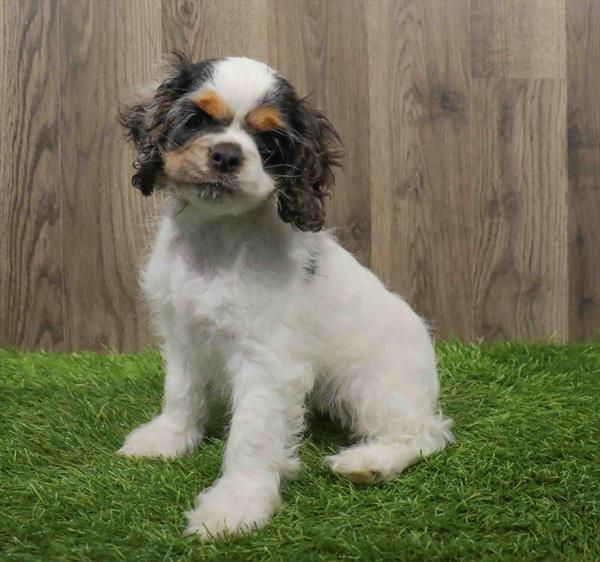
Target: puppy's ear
[(309, 179), (144, 119), (136, 118)]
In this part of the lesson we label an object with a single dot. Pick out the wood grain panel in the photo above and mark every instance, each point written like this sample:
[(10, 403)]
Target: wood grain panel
[(471, 127), (520, 193), (420, 156), (31, 292), (215, 28), (518, 38), (105, 48), (583, 19), (321, 48)]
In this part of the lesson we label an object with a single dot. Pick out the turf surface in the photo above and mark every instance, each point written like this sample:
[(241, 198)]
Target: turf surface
[(521, 483)]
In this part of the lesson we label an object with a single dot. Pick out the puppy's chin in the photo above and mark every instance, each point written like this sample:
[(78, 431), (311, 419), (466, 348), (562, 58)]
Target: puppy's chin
[(216, 191), (215, 197)]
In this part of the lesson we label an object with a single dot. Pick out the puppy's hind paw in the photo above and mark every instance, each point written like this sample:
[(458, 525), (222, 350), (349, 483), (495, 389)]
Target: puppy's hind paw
[(371, 463), (357, 473)]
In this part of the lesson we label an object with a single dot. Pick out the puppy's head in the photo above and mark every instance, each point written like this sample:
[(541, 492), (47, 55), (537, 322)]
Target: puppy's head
[(226, 134)]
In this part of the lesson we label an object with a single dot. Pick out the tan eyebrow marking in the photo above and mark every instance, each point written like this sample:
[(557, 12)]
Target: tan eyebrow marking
[(265, 118), (213, 104)]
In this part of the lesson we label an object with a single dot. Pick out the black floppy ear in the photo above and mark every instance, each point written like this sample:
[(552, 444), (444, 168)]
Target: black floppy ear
[(136, 118), (316, 152), (144, 119)]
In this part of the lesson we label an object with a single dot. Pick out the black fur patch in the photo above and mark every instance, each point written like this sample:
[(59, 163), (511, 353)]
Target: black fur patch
[(160, 124), (300, 158), (189, 122), (311, 267), (312, 264)]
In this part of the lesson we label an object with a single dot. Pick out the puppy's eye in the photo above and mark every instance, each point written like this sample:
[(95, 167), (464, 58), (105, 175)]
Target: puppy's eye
[(274, 147), (198, 120), (189, 126), (267, 142)]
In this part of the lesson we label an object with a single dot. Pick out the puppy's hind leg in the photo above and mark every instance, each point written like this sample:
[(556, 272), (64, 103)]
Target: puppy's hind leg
[(396, 421), (380, 459)]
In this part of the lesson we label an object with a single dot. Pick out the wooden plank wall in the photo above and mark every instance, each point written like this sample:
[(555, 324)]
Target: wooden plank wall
[(472, 182)]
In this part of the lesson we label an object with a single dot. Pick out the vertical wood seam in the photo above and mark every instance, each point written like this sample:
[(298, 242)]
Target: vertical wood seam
[(67, 326)]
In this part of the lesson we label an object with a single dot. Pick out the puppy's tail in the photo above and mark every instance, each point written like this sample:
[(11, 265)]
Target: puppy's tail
[(381, 459)]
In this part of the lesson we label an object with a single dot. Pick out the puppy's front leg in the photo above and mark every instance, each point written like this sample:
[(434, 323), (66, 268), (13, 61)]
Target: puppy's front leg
[(267, 419), (179, 428)]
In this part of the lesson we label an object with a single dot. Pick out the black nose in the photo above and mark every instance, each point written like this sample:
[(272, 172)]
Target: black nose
[(226, 156)]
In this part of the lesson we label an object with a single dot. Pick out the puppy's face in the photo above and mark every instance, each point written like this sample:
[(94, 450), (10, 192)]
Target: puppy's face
[(227, 134)]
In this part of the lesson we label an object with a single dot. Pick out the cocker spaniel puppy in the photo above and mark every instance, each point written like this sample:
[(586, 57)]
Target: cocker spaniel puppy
[(254, 300)]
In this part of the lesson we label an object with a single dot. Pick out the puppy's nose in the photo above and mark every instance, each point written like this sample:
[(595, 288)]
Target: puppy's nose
[(226, 157)]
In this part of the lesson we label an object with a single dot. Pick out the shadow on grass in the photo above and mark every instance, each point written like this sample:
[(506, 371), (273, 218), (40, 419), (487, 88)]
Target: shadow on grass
[(320, 429)]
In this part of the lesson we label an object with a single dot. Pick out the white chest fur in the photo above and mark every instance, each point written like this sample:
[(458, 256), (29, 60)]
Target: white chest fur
[(215, 283)]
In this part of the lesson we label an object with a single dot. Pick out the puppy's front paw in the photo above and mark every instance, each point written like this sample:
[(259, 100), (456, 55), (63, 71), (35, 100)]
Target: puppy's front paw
[(160, 438), (231, 507)]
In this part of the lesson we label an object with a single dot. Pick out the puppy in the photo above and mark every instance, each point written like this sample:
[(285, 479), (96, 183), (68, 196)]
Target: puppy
[(254, 300)]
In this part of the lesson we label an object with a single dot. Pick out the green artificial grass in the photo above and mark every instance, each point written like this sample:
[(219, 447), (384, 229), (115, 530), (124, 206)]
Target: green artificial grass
[(521, 483)]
